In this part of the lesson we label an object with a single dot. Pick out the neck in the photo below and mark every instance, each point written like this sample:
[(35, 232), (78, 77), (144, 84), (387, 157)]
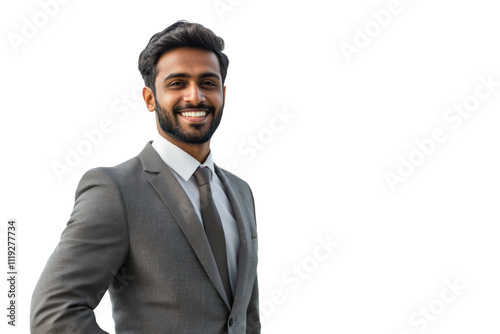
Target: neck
[(198, 151)]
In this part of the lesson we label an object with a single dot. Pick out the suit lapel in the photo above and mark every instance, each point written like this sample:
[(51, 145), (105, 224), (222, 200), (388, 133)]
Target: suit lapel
[(243, 218), (180, 206)]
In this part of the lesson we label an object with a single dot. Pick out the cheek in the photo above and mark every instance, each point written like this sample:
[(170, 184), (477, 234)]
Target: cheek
[(216, 99), (168, 101)]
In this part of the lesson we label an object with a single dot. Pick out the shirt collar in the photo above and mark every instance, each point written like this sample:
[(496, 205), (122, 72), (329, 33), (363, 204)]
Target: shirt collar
[(179, 160)]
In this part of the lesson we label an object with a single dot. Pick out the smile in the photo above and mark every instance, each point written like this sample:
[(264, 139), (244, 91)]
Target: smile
[(194, 113)]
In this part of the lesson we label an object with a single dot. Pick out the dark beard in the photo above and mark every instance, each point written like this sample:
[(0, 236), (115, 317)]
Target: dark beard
[(170, 124)]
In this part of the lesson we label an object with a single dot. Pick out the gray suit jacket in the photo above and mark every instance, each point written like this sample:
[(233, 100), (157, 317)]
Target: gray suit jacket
[(134, 232)]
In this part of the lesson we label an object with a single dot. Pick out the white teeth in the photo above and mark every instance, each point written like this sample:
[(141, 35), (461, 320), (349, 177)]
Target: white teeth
[(194, 113)]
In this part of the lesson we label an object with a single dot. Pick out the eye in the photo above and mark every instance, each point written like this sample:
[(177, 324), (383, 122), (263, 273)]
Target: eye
[(208, 83), (175, 83)]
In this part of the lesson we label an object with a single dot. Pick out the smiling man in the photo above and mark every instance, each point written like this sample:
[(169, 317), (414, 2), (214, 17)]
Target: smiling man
[(169, 234)]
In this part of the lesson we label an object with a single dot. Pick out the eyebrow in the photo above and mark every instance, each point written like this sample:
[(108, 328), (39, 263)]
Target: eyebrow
[(185, 75)]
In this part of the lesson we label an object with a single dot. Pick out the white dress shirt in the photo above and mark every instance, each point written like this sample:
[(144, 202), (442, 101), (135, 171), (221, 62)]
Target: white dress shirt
[(183, 166)]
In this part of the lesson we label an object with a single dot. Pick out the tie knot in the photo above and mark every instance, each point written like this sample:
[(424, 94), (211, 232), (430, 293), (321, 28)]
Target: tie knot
[(202, 176)]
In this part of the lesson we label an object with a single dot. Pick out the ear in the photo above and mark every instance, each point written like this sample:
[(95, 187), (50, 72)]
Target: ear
[(224, 94), (149, 98)]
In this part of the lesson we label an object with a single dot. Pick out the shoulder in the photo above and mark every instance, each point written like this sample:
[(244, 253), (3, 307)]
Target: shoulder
[(112, 181), (236, 184), (127, 171), (117, 174), (233, 179)]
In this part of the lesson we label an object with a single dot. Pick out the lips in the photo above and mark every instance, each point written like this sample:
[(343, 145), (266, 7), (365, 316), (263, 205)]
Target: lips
[(195, 116)]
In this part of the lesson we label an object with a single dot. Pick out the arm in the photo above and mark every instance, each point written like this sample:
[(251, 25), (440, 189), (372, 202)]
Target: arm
[(93, 246), (253, 319)]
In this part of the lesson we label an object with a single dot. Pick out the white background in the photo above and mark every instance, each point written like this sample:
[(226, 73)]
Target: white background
[(319, 179)]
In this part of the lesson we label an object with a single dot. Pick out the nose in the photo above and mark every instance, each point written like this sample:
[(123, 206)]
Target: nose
[(193, 94)]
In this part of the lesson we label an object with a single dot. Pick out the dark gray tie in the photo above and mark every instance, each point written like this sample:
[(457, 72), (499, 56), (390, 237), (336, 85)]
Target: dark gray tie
[(213, 227)]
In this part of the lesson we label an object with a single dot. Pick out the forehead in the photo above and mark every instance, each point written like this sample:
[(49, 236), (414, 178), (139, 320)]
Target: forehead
[(187, 60)]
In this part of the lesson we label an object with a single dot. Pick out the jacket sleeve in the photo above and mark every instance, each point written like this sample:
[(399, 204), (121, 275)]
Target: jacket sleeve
[(253, 319), (92, 249)]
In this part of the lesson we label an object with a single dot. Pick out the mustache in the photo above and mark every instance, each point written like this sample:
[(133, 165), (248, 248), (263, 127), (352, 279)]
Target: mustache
[(179, 109)]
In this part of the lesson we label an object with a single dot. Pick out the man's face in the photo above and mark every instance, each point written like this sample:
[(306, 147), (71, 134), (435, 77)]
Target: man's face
[(189, 95)]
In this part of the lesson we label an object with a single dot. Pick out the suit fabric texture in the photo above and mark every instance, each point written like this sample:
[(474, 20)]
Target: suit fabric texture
[(134, 232)]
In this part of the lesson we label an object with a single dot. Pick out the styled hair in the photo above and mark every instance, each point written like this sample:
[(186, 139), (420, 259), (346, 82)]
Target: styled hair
[(180, 34)]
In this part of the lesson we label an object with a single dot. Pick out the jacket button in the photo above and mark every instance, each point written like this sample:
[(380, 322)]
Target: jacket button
[(230, 321)]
